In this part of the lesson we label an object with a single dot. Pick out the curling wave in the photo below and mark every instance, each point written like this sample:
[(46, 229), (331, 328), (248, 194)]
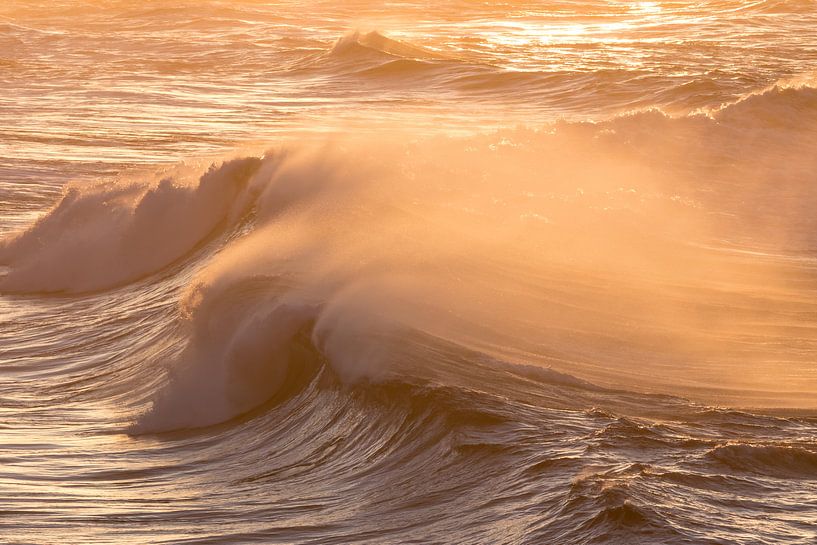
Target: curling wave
[(616, 270)]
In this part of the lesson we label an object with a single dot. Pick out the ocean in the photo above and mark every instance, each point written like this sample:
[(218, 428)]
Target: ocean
[(456, 272)]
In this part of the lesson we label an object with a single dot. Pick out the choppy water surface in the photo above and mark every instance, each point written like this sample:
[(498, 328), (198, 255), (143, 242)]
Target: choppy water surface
[(346, 272)]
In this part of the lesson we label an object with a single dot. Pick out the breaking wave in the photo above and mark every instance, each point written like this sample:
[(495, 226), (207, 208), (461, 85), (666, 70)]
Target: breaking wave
[(102, 236), (512, 246)]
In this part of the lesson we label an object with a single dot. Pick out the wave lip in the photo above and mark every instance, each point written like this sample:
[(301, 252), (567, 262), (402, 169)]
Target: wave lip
[(248, 346)]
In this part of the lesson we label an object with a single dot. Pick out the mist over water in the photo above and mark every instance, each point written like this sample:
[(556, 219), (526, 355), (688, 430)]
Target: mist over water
[(333, 272)]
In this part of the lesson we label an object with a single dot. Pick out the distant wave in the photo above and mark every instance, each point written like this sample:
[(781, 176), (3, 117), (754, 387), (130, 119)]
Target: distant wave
[(357, 44), (377, 59), (790, 104), (374, 56)]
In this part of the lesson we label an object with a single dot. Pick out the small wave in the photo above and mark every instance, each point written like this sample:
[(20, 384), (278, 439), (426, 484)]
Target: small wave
[(788, 105), (373, 56), (604, 510), (398, 68), (357, 43), (773, 460), (704, 481), (629, 434)]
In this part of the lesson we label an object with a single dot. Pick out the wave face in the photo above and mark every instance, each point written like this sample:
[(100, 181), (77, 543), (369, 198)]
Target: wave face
[(497, 273)]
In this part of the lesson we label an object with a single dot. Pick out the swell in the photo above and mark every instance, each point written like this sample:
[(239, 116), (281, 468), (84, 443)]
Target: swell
[(789, 105), (510, 454), (377, 60), (361, 52), (776, 460), (366, 45)]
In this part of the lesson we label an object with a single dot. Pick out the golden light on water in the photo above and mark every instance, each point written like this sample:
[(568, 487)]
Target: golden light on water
[(409, 272), (647, 7)]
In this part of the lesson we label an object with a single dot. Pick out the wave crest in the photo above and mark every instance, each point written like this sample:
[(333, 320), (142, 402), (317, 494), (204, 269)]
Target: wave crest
[(102, 236), (366, 43)]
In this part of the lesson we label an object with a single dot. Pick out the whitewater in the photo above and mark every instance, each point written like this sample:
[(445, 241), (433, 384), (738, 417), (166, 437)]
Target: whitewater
[(460, 272)]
